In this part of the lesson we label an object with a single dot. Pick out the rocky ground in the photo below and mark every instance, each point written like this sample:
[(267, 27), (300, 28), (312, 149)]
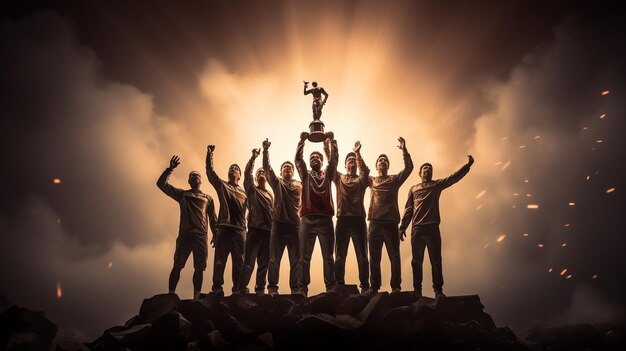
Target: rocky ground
[(329, 321)]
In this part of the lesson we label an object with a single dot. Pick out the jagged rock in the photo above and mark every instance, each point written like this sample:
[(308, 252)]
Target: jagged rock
[(266, 339), (24, 329), (135, 338), (134, 321), (213, 341), (158, 306), (346, 289), (68, 341), (327, 303), (353, 304)]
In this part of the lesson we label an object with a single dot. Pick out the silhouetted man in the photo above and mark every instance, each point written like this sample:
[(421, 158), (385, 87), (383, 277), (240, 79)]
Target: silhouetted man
[(286, 222), (260, 208), (351, 217), (231, 233), (197, 213), (384, 217), (316, 211), (318, 103), (422, 208)]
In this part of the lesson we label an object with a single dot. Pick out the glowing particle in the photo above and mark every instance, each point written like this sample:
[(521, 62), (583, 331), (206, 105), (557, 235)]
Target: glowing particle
[(525, 235), (506, 165), (563, 271), (514, 206), (56, 180), (504, 138), (529, 195), (593, 149), (585, 128), (603, 115), (497, 163), (479, 207), (537, 137), (572, 204), (59, 291), (515, 194), (110, 264), (486, 246), (588, 177), (481, 194), (525, 180), (566, 225), (540, 245), (532, 206), (606, 92), (599, 141), (568, 277), (564, 244), (595, 276), (522, 146), (608, 191), (501, 238), (550, 270)]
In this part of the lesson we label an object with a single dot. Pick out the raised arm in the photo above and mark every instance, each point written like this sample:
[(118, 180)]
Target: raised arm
[(165, 186), (267, 167), (364, 172), (458, 175), (248, 179), (408, 163), (333, 160), (214, 179), (407, 216), (300, 164), (306, 92)]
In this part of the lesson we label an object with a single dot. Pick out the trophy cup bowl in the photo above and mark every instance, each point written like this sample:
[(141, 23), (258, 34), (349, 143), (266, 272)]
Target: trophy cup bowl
[(316, 131)]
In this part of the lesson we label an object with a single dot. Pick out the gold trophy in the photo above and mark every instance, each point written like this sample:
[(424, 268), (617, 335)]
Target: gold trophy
[(316, 128)]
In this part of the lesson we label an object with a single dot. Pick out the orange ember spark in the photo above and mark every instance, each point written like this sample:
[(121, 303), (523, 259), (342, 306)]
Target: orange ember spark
[(501, 237), (550, 270), (506, 165), (588, 177), (572, 204), (603, 115), (564, 271), (59, 291), (532, 206), (537, 137), (608, 191), (599, 141), (566, 225), (564, 244), (515, 194), (525, 234), (540, 245), (529, 195), (522, 146), (525, 180), (110, 264), (497, 163), (569, 276), (480, 194), (595, 276), (606, 92), (56, 180), (585, 128)]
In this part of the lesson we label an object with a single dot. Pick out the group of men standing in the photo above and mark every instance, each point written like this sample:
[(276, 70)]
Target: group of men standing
[(298, 212)]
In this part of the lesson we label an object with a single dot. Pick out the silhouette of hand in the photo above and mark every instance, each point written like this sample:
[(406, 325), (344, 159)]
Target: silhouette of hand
[(304, 136), (402, 145), (330, 135), (266, 144), (256, 152), (357, 147), (212, 242), (402, 234), (470, 160), (210, 148), (174, 162)]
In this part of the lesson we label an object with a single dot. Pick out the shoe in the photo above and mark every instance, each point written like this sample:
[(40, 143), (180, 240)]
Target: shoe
[(217, 293), (373, 291), (395, 290), (272, 292), (418, 293), (260, 292), (439, 293), (365, 291)]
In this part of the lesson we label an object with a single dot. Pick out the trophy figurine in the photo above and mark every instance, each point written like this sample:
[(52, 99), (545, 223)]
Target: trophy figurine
[(316, 127)]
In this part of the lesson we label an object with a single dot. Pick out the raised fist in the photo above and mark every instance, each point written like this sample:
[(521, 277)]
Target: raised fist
[(266, 144)]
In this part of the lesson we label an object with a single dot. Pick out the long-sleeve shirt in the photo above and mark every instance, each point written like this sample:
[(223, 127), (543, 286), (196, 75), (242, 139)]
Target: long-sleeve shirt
[(287, 193), (197, 210), (316, 186), (384, 190), (351, 191), (232, 198), (422, 204), (260, 201)]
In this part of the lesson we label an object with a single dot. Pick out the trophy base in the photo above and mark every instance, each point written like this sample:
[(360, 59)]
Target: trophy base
[(316, 132)]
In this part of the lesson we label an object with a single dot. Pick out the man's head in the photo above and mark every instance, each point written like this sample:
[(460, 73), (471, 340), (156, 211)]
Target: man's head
[(316, 160), (314, 84), (351, 163), (260, 177), (286, 171), (234, 173), (382, 163), (195, 180), (426, 172)]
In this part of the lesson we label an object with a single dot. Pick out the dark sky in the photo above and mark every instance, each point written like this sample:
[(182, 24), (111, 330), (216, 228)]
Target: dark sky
[(101, 94)]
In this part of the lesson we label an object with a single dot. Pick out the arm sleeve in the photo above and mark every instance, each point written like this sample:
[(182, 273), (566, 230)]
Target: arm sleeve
[(212, 217), (269, 172), (214, 179), (333, 160), (408, 212), (167, 188), (364, 171), (248, 178), (456, 176), (408, 168), (300, 164)]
